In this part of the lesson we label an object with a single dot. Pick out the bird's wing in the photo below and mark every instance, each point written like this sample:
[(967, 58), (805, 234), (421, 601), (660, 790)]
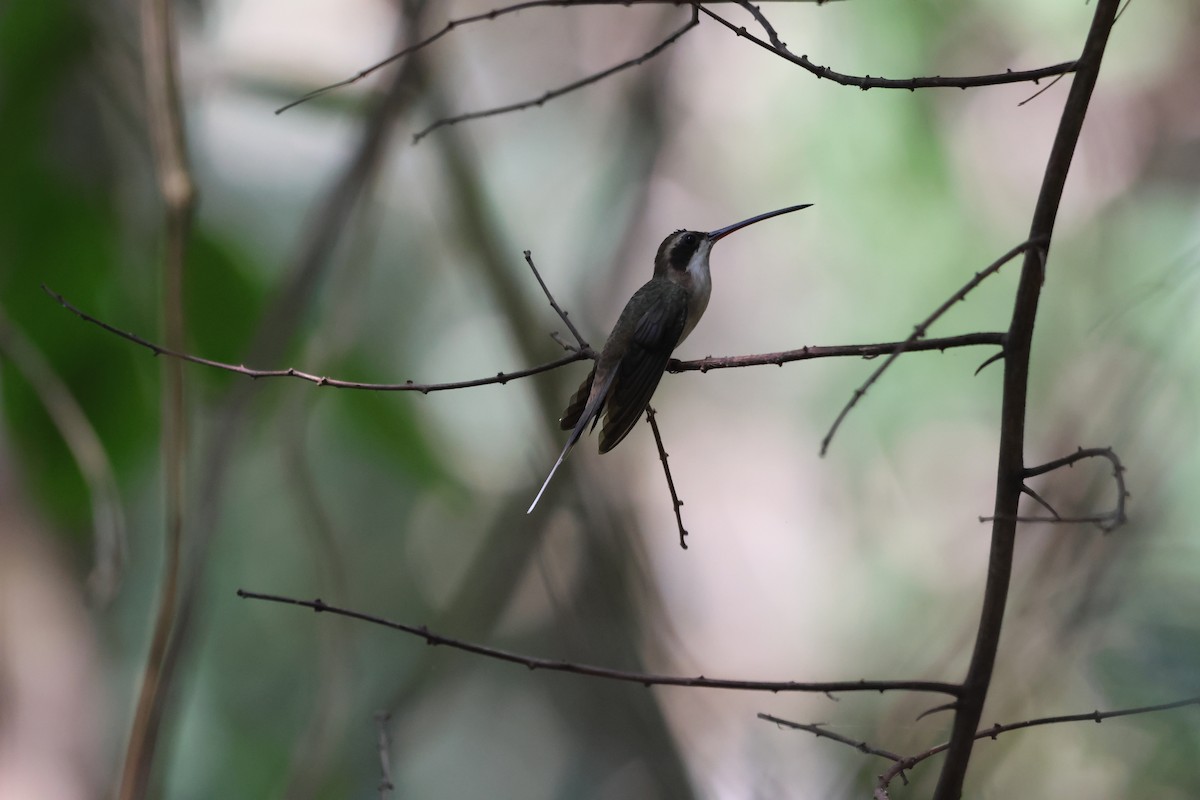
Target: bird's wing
[(578, 402), (641, 368)]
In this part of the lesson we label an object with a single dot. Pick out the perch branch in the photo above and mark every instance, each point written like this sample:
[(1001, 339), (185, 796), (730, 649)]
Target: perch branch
[(646, 679), (320, 380), (834, 351)]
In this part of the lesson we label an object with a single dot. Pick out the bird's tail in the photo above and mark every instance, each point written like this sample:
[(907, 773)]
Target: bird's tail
[(590, 413)]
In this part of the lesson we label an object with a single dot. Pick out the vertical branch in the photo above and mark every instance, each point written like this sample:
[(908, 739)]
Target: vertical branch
[(1010, 467), (276, 329), (164, 119)]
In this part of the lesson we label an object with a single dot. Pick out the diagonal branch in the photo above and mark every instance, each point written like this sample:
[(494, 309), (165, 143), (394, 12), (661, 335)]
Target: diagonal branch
[(867, 82), (919, 333), (321, 380), (485, 16), (908, 762), (646, 679), (583, 345), (821, 732), (552, 94)]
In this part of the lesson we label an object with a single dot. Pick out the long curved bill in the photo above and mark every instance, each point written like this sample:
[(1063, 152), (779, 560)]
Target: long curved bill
[(737, 226)]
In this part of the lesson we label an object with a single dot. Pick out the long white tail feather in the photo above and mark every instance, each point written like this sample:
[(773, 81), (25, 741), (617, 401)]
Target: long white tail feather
[(590, 413)]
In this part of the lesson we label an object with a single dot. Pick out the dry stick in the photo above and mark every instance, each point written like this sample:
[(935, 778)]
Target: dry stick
[(902, 763), (1042, 90), (625, 676), (1108, 521), (1010, 469), (164, 118), (662, 456), (583, 345), (320, 380), (908, 762), (562, 90), (919, 333), (867, 82)]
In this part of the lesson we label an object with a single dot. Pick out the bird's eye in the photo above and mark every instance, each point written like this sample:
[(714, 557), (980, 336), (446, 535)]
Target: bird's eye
[(685, 247)]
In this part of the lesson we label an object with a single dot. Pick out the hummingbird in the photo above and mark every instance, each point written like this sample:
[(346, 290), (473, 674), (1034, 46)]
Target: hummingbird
[(656, 320)]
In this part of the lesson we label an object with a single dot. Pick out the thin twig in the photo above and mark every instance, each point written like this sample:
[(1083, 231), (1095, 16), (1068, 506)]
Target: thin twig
[(1040, 501), (1042, 90), (487, 16), (911, 84), (562, 90), (821, 732), (625, 676), (320, 380), (865, 351), (676, 503), (583, 345), (907, 762), (1107, 521), (919, 333)]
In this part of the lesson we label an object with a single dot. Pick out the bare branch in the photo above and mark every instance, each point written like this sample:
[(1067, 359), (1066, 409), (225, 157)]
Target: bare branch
[(422, 44), (834, 351), (819, 730), (908, 762), (625, 676), (919, 333), (583, 345), (676, 503), (867, 82), (320, 380), (1010, 469), (562, 90), (1107, 521)]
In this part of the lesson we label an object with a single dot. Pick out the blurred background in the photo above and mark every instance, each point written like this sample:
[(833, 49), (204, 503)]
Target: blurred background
[(327, 240)]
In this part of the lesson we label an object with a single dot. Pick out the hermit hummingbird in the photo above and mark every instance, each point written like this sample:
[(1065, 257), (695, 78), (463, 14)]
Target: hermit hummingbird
[(656, 320)]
